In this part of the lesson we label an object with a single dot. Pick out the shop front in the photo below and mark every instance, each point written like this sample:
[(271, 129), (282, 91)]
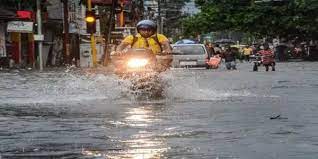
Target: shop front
[(22, 43)]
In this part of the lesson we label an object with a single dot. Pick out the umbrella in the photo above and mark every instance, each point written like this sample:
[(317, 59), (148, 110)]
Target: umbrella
[(185, 41)]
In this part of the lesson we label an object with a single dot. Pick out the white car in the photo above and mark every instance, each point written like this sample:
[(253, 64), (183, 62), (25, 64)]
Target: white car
[(189, 55)]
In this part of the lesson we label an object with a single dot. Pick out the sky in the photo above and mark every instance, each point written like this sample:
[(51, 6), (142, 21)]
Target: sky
[(190, 8)]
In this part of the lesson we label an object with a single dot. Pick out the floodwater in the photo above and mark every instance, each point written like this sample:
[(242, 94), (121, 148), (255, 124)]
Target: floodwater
[(212, 114)]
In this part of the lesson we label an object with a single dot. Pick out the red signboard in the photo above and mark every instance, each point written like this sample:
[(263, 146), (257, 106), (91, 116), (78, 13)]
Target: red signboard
[(24, 14)]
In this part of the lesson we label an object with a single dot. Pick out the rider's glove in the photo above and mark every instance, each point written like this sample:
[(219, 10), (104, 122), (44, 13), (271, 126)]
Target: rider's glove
[(166, 52), (116, 53)]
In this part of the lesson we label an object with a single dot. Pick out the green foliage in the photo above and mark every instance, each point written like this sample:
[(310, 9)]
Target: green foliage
[(172, 10), (18, 4), (286, 19)]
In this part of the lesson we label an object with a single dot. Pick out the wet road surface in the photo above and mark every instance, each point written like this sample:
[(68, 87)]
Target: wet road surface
[(204, 114)]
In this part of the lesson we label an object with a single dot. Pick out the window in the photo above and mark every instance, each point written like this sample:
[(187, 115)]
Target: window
[(189, 50)]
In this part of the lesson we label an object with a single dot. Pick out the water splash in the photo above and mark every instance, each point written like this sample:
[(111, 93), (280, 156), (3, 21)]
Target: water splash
[(189, 88), (71, 86), (57, 87), (148, 86)]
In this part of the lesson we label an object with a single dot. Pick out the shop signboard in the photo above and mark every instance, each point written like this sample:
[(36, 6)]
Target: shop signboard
[(20, 26)]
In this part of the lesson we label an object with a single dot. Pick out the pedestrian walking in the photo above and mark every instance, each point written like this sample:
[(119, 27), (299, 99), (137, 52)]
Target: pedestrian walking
[(229, 57), (217, 49), (210, 49)]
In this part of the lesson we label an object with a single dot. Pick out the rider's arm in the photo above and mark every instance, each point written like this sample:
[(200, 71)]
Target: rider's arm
[(122, 46), (126, 42), (166, 48), (165, 44), (272, 53)]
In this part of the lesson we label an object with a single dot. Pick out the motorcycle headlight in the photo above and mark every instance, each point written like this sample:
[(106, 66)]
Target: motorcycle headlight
[(137, 63)]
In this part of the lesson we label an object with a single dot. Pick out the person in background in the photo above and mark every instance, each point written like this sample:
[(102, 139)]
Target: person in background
[(210, 49), (247, 51), (254, 48), (268, 58), (214, 59), (217, 49), (229, 57)]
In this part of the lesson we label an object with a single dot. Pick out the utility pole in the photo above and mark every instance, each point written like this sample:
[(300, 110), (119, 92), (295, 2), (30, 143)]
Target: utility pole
[(93, 45), (159, 17), (66, 41), (108, 34), (121, 15), (39, 24)]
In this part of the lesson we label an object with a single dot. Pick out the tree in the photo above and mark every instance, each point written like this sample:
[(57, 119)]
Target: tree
[(171, 10), (18, 4), (292, 18)]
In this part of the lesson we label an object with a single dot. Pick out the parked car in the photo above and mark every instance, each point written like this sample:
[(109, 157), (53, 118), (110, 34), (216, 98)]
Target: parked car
[(189, 55)]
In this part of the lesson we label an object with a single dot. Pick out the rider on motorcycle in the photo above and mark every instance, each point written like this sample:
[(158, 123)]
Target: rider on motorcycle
[(268, 58), (147, 38)]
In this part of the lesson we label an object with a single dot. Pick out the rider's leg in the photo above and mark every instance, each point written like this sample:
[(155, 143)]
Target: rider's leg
[(273, 66), (233, 64), (266, 67)]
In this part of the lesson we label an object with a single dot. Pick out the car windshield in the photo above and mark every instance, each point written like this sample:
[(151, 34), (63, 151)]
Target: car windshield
[(188, 50)]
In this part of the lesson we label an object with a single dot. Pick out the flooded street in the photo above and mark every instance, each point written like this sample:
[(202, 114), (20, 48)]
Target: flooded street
[(212, 114)]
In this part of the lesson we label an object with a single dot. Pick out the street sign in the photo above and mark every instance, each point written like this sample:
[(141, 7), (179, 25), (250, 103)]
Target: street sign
[(20, 27), (38, 37)]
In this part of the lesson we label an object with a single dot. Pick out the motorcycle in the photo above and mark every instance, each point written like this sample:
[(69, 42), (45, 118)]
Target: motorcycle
[(141, 68), (257, 61)]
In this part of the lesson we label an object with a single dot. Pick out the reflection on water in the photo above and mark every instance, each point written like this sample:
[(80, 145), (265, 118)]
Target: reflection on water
[(141, 145), (140, 117)]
